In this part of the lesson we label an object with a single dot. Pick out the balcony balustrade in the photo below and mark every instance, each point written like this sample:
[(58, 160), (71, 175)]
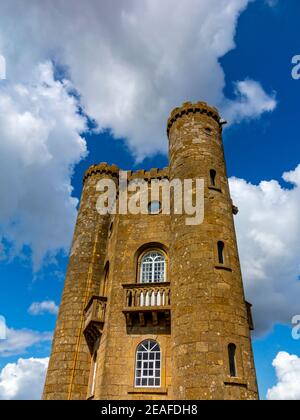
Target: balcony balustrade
[(94, 316), (147, 303)]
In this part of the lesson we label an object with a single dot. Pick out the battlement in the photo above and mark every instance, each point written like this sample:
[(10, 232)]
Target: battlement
[(113, 170), (188, 107), (101, 168), (154, 173)]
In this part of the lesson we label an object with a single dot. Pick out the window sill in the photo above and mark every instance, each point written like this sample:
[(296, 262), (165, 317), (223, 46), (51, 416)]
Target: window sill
[(215, 189), (223, 267), (236, 382), (149, 391)]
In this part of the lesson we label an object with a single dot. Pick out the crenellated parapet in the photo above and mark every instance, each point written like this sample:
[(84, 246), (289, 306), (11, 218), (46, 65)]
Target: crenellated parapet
[(114, 171), (102, 168), (189, 108), (154, 173)]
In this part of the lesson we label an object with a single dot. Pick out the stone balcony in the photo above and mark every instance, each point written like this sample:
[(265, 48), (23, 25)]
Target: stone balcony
[(147, 306), (94, 316)]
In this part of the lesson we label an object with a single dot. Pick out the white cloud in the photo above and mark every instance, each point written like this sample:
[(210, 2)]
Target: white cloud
[(23, 380), (252, 101), (287, 369), (19, 341), (2, 68), (40, 308), (40, 144), (268, 230), (2, 328), (133, 61)]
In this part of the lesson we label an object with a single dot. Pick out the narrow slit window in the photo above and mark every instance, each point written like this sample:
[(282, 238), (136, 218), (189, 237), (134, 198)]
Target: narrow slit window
[(232, 360), (213, 175), (221, 247)]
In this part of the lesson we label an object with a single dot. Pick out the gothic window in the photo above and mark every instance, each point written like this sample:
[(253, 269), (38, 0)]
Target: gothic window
[(148, 365), (221, 247), (213, 175), (153, 267), (232, 359)]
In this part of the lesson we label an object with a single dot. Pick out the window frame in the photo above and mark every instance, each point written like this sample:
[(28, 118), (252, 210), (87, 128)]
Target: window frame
[(141, 262), (232, 364), (153, 358), (221, 252), (154, 213)]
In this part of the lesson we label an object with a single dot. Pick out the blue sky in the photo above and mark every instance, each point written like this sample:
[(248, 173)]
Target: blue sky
[(257, 148)]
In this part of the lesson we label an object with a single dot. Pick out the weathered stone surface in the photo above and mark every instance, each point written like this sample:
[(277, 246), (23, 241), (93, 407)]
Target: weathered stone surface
[(208, 309)]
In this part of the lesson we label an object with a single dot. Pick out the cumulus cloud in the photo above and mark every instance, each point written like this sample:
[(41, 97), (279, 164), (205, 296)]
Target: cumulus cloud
[(252, 101), (268, 230), (133, 61), (20, 341), (40, 144), (287, 369), (23, 380), (40, 308)]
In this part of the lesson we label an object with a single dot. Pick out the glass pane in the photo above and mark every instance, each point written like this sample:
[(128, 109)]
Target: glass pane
[(146, 375), (154, 207)]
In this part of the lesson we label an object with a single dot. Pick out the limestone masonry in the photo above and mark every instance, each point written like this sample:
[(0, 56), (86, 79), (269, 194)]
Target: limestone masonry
[(153, 308)]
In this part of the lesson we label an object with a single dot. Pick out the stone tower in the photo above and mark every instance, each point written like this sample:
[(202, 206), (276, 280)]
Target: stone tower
[(154, 308)]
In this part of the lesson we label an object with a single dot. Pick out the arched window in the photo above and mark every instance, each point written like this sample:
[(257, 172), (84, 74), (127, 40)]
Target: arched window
[(148, 365), (154, 207), (221, 247), (232, 359), (213, 175), (153, 267)]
